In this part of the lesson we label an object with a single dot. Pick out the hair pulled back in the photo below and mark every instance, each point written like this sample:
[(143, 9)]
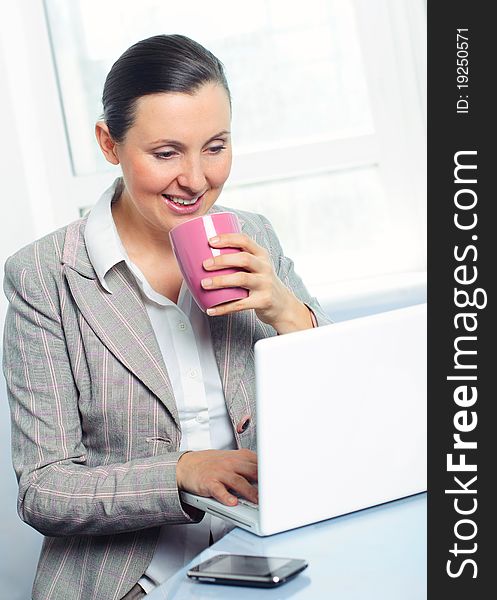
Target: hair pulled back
[(162, 63)]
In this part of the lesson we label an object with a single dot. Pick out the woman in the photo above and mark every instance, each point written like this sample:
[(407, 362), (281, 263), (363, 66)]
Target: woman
[(122, 391)]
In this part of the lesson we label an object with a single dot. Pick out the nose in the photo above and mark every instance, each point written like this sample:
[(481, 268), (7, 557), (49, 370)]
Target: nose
[(192, 175)]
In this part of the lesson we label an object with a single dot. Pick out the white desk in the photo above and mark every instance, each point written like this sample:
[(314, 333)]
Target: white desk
[(374, 554)]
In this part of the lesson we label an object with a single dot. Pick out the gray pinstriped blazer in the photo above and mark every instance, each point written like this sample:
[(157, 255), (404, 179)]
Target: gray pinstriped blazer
[(95, 428)]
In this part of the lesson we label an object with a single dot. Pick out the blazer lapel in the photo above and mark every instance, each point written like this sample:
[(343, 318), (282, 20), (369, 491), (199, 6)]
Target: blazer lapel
[(119, 319), (232, 341)]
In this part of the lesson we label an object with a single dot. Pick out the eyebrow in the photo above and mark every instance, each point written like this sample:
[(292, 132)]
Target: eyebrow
[(181, 145)]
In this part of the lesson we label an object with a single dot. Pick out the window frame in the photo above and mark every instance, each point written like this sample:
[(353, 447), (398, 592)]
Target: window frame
[(395, 69)]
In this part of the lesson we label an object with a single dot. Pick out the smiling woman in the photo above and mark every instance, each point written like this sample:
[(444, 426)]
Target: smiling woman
[(188, 167), (131, 393)]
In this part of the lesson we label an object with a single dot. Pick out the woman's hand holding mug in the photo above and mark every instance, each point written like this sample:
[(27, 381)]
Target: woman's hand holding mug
[(272, 301)]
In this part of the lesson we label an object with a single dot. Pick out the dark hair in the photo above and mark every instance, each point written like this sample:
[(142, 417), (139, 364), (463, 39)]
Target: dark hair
[(162, 63)]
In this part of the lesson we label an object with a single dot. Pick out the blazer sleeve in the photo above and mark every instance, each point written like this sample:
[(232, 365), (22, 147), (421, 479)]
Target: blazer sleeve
[(59, 494), (285, 270)]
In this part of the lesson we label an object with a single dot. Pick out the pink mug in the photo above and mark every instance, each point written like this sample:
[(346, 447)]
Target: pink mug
[(191, 247)]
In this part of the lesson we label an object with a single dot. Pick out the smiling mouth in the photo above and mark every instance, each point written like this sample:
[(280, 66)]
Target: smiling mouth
[(183, 201)]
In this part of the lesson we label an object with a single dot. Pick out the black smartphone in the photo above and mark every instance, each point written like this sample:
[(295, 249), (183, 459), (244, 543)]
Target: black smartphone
[(238, 569)]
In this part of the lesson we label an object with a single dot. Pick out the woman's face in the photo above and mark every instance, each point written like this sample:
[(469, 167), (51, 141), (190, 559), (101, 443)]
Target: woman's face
[(176, 157)]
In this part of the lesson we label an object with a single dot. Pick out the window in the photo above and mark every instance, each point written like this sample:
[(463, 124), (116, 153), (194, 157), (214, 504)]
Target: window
[(328, 123)]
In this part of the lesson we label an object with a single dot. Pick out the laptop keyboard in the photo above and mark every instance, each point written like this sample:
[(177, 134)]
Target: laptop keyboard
[(244, 501)]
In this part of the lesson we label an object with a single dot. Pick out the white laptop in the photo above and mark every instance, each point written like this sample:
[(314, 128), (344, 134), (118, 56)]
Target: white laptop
[(341, 421)]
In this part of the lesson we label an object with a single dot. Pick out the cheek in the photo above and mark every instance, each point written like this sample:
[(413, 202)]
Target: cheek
[(220, 174), (148, 174)]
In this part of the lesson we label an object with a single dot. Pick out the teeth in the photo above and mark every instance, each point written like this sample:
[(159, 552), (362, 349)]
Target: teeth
[(181, 201)]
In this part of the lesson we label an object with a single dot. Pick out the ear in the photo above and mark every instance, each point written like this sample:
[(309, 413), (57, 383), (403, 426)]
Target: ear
[(106, 142)]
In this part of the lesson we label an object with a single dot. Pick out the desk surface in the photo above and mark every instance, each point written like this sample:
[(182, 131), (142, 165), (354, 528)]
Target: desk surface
[(378, 554)]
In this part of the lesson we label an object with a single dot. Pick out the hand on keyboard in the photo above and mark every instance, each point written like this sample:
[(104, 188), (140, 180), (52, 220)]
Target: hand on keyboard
[(242, 500), (211, 473)]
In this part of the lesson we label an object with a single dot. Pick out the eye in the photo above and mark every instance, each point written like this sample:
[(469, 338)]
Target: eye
[(216, 149), (164, 155)]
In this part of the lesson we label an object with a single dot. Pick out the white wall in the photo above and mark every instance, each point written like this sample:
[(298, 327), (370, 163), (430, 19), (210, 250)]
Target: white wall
[(16, 226)]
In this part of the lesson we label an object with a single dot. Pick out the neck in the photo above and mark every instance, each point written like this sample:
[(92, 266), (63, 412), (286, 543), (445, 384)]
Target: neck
[(138, 238)]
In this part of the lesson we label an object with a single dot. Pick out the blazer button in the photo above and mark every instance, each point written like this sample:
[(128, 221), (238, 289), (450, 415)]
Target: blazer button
[(243, 424)]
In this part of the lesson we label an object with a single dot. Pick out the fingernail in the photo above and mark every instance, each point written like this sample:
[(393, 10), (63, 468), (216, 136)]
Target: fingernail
[(214, 240), (206, 282), (208, 262), (232, 500), (211, 311)]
